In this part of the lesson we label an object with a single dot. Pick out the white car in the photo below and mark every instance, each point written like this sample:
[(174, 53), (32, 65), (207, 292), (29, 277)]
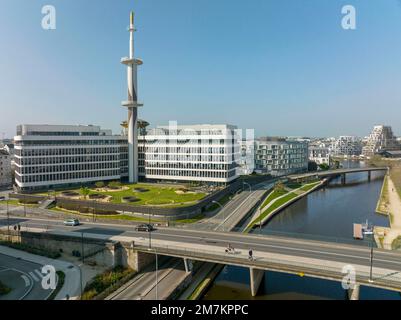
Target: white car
[(71, 222)]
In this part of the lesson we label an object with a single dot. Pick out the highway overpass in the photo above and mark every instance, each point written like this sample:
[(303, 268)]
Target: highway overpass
[(319, 259)]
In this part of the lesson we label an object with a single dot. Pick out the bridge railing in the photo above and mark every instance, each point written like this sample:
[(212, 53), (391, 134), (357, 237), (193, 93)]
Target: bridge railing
[(303, 266)]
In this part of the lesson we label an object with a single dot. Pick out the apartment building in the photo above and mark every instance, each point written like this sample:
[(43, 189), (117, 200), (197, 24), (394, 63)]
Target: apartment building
[(278, 156), (346, 146), (5, 169), (381, 139), (319, 154)]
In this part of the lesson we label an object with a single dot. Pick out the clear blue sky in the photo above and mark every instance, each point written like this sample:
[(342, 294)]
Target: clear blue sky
[(282, 67)]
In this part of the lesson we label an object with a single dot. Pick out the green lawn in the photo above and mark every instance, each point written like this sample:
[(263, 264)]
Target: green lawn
[(156, 195), (273, 195), (309, 186)]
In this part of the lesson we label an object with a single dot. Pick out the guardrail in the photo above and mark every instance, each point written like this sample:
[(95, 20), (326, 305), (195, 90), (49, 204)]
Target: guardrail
[(326, 270)]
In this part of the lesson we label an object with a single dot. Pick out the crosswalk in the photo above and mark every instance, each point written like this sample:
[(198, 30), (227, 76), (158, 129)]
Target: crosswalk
[(36, 275)]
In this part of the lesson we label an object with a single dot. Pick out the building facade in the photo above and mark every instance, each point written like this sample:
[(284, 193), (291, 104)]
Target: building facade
[(346, 146), (5, 169), (320, 155), (277, 156), (194, 153), (52, 156), (247, 156), (381, 139)]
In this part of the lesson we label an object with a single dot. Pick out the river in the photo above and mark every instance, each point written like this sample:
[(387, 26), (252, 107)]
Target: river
[(326, 214)]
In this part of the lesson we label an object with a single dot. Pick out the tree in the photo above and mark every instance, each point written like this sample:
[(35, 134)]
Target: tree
[(324, 166), (99, 184), (85, 192), (312, 166)]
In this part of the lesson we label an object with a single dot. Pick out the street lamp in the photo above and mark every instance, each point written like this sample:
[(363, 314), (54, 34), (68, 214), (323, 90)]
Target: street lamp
[(157, 269), (8, 222), (250, 188), (219, 204), (370, 232)]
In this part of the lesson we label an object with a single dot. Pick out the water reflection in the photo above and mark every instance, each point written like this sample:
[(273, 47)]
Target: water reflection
[(328, 213)]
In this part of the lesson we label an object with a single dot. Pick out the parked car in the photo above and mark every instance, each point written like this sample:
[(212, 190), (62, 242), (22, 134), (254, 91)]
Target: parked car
[(145, 227), (2, 198), (72, 222)]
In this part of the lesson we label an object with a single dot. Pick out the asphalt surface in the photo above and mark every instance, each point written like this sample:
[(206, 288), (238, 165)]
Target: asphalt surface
[(352, 254), (236, 209), (23, 277), (170, 273)]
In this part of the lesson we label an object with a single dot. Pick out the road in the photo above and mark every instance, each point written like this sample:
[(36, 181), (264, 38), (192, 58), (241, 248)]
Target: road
[(236, 209), (271, 244), (23, 277), (170, 273)]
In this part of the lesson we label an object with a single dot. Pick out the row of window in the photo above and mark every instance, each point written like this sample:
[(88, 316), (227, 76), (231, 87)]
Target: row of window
[(68, 168), (193, 166), (184, 173), (102, 175), (70, 142), (66, 160)]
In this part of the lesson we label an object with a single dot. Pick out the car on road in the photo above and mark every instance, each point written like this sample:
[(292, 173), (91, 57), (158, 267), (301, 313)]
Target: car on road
[(72, 222), (2, 198), (145, 227)]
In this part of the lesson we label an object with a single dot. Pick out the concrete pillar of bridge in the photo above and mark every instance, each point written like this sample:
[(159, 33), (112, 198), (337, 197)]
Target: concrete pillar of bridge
[(188, 265), (256, 279), (353, 293), (343, 179)]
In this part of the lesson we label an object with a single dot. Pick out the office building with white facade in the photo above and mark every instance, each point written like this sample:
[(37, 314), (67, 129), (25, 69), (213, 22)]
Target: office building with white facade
[(278, 156), (56, 156), (346, 146), (206, 154)]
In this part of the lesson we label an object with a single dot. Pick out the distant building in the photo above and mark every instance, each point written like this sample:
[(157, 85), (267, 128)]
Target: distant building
[(320, 155), (278, 156), (247, 157), (346, 146), (381, 139), (189, 153), (52, 156), (5, 169)]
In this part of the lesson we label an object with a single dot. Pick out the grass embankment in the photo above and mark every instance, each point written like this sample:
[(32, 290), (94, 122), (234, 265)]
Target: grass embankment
[(383, 203), (150, 195), (30, 249), (106, 281), (15, 202), (278, 198), (4, 289), (60, 283)]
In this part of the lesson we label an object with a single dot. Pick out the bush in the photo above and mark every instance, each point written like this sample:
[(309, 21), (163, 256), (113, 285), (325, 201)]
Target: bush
[(4, 289), (104, 281), (99, 184), (115, 185)]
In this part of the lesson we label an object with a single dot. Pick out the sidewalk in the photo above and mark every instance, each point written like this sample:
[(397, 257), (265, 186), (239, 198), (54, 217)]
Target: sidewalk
[(394, 207)]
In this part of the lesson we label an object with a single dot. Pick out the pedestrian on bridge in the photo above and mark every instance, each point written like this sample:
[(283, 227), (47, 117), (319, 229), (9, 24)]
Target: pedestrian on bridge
[(250, 255)]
